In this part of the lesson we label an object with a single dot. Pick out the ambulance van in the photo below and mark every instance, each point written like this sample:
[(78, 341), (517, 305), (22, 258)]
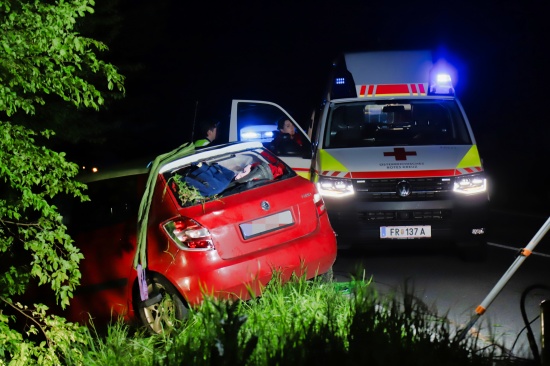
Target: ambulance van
[(391, 150)]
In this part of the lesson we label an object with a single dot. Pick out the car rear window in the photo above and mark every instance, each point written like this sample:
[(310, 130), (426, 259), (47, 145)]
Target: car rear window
[(238, 164)]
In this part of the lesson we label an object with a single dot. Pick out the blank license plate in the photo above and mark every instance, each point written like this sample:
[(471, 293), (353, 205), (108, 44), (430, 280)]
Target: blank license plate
[(405, 232), (266, 224)]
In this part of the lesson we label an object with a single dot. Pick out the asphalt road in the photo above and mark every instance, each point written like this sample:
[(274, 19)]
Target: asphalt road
[(456, 288)]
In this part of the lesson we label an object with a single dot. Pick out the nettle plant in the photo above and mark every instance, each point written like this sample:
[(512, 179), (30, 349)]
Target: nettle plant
[(188, 194)]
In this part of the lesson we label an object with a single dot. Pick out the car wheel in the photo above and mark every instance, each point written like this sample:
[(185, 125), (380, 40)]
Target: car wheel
[(326, 277), (164, 309)]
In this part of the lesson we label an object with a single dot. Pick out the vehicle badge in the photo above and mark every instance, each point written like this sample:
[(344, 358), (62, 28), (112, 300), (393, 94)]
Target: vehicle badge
[(400, 153), (265, 205), (403, 188)]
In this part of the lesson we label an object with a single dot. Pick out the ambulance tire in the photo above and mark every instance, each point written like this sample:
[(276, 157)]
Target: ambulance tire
[(165, 308), (473, 251)]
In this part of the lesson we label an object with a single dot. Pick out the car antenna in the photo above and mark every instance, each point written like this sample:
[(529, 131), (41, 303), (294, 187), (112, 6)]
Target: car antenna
[(194, 121)]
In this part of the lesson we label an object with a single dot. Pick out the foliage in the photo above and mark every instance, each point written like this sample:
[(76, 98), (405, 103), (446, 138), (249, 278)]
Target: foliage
[(300, 323), (29, 221), (186, 193), (60, 339), (42, 57), (41, 54)]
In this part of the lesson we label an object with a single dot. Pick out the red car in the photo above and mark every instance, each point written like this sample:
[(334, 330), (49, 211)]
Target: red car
[(258, 219)]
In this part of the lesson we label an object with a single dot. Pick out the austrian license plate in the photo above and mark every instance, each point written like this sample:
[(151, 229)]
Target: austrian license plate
[(405, 232)]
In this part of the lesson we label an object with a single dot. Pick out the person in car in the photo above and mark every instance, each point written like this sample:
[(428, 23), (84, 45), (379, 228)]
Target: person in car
[(208, 129), (286, 140)]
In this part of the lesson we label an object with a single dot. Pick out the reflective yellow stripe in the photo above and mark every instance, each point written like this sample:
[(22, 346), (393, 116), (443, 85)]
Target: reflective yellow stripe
[(327, 162), (471, 159)]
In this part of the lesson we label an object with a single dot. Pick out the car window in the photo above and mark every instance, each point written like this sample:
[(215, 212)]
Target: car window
[(390, 123), (242, 163), (111, 201)]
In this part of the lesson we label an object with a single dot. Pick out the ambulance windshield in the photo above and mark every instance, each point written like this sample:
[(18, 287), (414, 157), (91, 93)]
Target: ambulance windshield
[(396, 122)]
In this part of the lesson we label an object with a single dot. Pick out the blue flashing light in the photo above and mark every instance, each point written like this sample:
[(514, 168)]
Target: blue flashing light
[(251, 135), (442, 77), (441, 84), (340, 81), (262, 133)]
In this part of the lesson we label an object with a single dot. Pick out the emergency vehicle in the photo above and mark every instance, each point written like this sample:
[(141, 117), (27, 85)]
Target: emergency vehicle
[(392, 152)]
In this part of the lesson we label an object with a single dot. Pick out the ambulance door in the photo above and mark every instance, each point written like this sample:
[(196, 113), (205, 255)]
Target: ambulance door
[(254, 120)]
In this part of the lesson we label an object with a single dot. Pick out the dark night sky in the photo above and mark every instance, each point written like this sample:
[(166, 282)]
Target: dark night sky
[(206, 53)]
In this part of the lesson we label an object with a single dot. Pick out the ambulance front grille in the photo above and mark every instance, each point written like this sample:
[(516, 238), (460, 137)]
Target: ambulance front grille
[(412, 215), (421, 188)]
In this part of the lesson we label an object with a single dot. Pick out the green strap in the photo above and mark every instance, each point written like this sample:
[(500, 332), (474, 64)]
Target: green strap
[(145, 204)]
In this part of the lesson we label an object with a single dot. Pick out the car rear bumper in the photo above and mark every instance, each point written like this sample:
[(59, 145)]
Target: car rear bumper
[(246, 276)]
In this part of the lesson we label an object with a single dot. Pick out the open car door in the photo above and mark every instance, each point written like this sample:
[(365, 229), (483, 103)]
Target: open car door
[(254, 120)]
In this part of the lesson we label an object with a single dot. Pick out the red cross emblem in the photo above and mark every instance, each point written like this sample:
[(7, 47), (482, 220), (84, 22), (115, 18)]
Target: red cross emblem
[(400, 153)]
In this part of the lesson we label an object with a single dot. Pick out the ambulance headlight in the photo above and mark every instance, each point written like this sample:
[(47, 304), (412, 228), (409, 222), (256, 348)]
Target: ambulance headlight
[(470, 184), (335, 187)]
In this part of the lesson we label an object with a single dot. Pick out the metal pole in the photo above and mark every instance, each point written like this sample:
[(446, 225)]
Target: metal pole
[(522, 255), (544, 316)]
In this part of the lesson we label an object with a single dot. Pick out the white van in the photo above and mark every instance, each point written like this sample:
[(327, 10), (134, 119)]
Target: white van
[(390, 149)]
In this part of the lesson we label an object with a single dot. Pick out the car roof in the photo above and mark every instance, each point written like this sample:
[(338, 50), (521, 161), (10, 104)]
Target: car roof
[(142, 165), (208, 152)]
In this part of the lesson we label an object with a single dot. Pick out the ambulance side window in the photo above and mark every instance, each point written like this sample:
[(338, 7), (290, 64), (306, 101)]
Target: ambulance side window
[(259, 122)]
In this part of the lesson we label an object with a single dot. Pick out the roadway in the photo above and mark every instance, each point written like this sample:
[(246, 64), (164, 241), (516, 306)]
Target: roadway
[(454, 287)]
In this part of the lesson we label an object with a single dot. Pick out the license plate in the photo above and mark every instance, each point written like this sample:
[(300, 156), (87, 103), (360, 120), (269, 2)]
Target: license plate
[(266, 224), (405, 232)]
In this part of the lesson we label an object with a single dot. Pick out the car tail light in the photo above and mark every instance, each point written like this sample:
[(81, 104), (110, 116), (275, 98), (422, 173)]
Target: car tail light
[(319, 203), (189, 234)]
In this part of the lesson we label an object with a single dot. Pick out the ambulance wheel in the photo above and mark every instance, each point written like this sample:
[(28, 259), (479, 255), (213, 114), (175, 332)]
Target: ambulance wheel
[(473, 251), (164, 310)]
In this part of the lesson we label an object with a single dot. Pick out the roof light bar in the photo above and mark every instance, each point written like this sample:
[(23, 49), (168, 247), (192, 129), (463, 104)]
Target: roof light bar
[(441, 84)]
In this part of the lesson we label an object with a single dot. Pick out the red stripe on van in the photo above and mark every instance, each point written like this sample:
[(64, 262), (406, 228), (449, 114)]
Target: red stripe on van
[(392, 89), (404, 174)]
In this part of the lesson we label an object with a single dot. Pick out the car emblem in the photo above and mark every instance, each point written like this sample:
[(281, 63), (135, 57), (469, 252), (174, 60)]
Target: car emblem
[(403, 188), (265, 205)]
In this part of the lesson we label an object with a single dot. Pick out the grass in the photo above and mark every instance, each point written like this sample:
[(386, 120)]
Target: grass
[(299, 323)]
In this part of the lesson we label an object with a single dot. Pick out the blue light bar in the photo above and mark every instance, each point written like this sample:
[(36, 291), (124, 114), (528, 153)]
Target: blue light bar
[(441, 85)]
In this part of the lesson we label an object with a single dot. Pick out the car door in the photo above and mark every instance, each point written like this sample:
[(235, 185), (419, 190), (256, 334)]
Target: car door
[(254, 120)]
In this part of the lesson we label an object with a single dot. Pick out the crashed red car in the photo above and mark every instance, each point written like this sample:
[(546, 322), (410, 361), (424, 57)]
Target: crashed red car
[(155, 241)]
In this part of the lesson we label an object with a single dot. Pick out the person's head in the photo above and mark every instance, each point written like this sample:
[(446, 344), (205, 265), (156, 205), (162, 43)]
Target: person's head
[(285, 126), (209, 129)]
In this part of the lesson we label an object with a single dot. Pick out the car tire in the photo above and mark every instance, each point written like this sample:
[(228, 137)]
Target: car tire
[(327, 277), (473, 251), (164, 309)]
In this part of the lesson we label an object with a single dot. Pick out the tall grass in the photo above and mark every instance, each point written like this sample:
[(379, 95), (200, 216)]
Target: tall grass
[(299, 323)]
